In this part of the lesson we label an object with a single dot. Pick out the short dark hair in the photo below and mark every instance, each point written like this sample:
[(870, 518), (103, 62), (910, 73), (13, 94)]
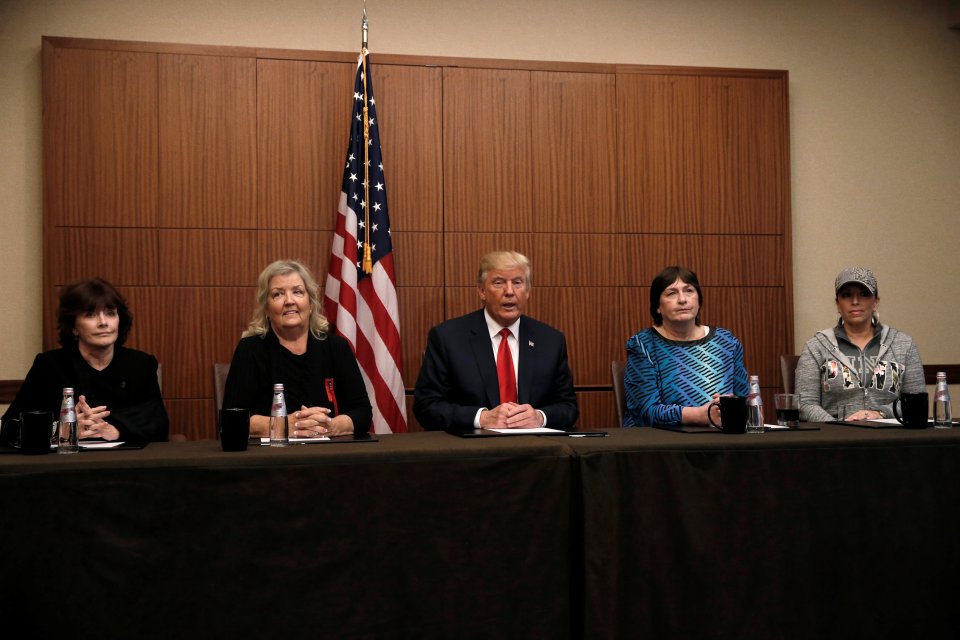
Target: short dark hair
[(666, 278), (90, 295)]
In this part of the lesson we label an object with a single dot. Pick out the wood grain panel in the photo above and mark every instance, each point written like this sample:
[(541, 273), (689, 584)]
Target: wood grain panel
[(752, 261), (556, 259), (574, 137), (755, 315), (120, 256), (418, 258), (394, 59), (487, 150), (745, 155), (100, 138), (194, 418), (208, 257), (312, 248), (660, 175), (598, 411), (660, 70), (208, 158), (646, 255), (578, 259), (303, 119), (421, 308), (410, 109), (207, 323)]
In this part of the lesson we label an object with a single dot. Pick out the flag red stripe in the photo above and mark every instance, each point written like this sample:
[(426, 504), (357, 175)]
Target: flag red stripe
[(385, 401), (385, 324)]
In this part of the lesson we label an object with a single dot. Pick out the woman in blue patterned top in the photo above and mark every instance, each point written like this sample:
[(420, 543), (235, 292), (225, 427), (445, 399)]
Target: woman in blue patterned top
[(676, 368)]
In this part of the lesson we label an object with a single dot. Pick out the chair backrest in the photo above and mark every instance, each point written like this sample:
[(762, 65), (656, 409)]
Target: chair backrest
[(617, 368), (788, 372), (220, 371)]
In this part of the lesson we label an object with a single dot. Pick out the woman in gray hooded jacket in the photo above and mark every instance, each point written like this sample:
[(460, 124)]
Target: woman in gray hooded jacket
[(858, 367)]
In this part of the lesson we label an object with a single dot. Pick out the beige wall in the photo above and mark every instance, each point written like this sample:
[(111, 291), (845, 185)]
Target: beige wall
[(874, 87)]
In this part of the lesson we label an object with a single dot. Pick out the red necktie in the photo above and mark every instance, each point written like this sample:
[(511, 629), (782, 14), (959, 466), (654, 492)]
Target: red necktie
[(508, 380)]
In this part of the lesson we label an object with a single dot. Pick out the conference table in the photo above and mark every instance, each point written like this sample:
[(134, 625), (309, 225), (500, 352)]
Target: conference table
[(420, 535), (644, 533), (842, 532)]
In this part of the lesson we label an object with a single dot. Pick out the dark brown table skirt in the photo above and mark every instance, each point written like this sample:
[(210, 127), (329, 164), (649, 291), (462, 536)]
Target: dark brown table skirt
[(417, 535), (841, 532)]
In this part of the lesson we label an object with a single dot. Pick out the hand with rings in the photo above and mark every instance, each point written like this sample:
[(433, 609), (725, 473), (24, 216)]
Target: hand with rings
[(91, 421), (311, 422)]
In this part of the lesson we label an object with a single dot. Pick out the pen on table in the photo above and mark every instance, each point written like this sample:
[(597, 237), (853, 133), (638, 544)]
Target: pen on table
[(589, 434)]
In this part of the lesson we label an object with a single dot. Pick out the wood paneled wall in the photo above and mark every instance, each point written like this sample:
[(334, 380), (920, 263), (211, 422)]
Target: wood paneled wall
[(178, 172)]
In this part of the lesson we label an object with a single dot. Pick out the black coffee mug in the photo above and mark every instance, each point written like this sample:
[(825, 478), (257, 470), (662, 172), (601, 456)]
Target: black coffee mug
[(912, 410), (36, 432), (733, 414), (234, 429)]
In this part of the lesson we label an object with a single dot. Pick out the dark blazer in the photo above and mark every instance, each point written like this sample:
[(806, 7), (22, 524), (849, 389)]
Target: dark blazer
[(128, 386), (459, 374)]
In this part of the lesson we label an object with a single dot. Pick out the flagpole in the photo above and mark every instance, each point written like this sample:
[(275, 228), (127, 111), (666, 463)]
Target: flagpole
[(361, 291), (367, 257)]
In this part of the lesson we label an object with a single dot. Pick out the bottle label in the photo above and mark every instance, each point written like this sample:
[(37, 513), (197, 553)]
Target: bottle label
[(279, 406), (68, 413)]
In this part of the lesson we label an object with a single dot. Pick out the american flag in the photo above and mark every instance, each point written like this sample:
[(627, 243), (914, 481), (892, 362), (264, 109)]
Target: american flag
[(363, 306)]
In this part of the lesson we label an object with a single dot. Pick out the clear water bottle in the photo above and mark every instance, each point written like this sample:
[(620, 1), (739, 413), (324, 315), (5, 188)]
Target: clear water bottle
[(67, 437), (279, 427), (942, 415), (754, 407)]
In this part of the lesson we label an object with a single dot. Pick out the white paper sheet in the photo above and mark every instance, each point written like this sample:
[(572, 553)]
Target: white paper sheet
[(523, 432), (300, 440)]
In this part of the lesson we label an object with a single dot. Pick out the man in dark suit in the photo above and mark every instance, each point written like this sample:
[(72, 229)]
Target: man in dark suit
[(495, 367)]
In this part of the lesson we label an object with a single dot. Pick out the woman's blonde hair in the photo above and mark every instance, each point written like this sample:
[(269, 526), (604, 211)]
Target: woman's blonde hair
[(260, 324)]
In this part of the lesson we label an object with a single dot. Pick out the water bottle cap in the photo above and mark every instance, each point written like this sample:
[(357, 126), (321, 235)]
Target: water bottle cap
[(942, 374), (68, 391), (278, 387)]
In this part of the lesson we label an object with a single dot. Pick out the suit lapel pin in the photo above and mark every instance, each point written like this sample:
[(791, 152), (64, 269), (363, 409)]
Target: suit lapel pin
[(530, 343)]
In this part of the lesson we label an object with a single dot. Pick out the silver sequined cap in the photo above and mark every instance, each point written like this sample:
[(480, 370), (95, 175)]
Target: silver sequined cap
[(860, 275)]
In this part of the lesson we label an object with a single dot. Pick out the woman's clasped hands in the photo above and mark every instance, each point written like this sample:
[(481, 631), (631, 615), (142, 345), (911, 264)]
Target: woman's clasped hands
[(313, 422), (92, 421)]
